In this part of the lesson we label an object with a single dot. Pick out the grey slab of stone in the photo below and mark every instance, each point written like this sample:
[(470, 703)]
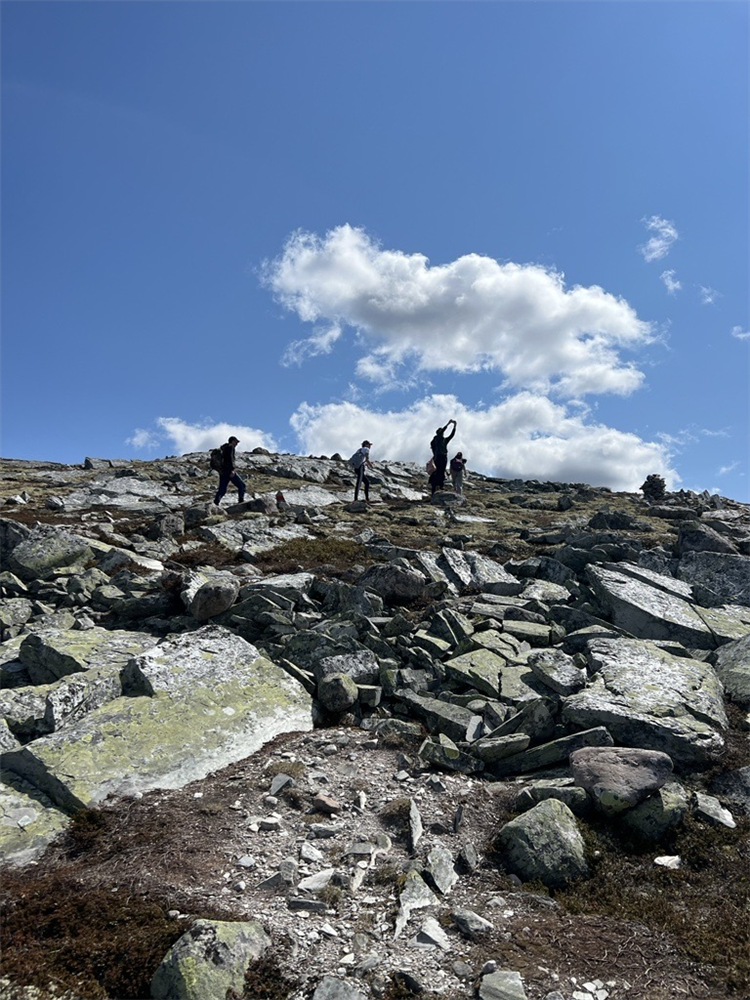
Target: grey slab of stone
[(361, 665), (46, 551), (208, 960), (215, 700), (51, 654), (505, 984), (337, 693), (331, 988), (14, 611), (548, 754), (518, 684), (479, 668), (619, 778), (647, 698), (503, 644), (470, 923), (708, 807), (443, 752), (393, 583), (431, 934), (716, 577), (494, 748), (468, 570), (556, 670), (29, 822), (414, 895), (563, 789), (733, 668), (207, 595), (440, 870), (650, 608), (532, 632), (535, 719), (544, 843), (459, 724)]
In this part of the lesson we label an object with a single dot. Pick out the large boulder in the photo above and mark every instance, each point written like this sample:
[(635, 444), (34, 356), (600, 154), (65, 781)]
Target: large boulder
[(619, 778), (544, 843), (716, 577), (192, 705), (46, 551), (396, 584), (209, 960), (51, 654), (650, 699)]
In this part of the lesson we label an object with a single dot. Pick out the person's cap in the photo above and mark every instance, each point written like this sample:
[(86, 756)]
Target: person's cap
[(235, 439), (367, 444)]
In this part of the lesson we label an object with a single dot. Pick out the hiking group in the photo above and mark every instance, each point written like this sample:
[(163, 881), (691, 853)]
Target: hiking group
[(224, 462)]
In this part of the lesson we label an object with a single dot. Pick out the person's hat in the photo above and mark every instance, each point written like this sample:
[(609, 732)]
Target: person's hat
[(367, 444)]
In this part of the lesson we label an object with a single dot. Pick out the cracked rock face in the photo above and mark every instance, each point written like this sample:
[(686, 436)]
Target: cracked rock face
[(579, 655)]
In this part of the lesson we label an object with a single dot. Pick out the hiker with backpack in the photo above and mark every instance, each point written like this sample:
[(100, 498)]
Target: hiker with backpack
[(457, 466), (439, 446), (223, 461), (359, 462)]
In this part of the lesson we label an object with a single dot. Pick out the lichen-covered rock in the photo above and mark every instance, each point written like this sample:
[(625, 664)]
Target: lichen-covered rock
[(337, 693), (544, 843), (208, 698), (733, 668), (396, 584), (647, 698), (618, 778), (206, 596), (51, 654), (47, 550), (209, 960)]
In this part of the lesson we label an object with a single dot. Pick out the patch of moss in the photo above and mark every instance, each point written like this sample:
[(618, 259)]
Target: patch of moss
[(337, 554), (265, 980), (91, 940)]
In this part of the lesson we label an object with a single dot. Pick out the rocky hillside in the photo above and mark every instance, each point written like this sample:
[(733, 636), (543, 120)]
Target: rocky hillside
[(486, 746)]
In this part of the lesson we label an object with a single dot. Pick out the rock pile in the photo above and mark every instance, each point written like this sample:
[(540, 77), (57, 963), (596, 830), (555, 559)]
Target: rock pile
[(577, 646)]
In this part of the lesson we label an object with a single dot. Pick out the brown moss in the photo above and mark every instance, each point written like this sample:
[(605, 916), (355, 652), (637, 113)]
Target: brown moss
[(91, 940), (309, 553), (266, 980)]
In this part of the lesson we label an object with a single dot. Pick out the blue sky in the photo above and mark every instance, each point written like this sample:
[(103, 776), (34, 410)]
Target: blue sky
[(311, 223)]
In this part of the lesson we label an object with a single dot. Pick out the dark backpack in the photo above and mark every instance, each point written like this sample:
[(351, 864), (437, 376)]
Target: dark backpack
[(216, 459)]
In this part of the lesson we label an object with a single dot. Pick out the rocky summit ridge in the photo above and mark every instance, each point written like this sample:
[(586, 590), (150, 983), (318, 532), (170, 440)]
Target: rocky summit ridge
[(392, 745)]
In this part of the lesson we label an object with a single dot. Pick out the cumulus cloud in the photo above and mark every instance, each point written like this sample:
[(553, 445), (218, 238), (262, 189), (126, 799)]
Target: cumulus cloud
[(525, 437), (670, 282), (470, 315), (185, 438), (740, 334), (658, 245)]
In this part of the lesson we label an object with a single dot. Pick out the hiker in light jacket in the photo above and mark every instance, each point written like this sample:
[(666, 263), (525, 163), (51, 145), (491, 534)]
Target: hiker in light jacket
[(360, 460)]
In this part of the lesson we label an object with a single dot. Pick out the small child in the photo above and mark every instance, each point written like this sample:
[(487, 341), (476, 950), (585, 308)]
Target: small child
[(458, 464)]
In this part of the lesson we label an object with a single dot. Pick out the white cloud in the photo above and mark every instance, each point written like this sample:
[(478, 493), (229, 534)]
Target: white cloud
[(470, 315), (143, 440), (670, 282), (740, 334), (525, 436), (186, 438), (660, 243), (727, 468), (708, 295)]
